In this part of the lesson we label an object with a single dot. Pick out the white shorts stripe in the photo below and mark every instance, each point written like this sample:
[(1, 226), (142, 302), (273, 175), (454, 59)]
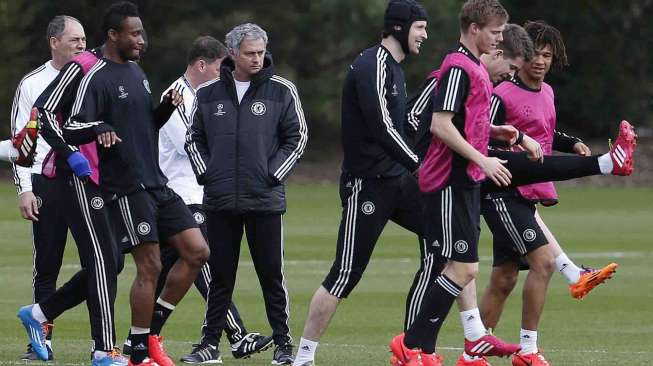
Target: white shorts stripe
[(348, 241)]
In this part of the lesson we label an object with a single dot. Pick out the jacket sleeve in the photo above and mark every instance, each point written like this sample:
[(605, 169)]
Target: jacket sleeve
[(293, 135), (59, 93), (564, 143), (20, 113), (85, 121), (419, 103), (196, 143), (372, 93), (176, 127)]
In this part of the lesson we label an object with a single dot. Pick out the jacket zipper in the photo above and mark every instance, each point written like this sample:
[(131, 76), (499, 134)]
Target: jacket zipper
[(236, 178)]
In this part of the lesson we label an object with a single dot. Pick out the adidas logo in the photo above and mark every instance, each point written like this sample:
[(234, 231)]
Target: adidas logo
[(306, 348), (139, 347), (619, 155), (434, 320), (471, 317), (436, 243), (526, 336)]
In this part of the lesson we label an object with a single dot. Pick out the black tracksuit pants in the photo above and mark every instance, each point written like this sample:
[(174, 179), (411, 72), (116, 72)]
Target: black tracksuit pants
[(367, 206), (265, 239), (90, 224), (234, 327), (49, 237), (553, 168)]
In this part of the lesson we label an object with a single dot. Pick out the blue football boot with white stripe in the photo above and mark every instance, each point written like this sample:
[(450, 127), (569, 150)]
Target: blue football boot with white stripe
[(35, 332), (113, 358)]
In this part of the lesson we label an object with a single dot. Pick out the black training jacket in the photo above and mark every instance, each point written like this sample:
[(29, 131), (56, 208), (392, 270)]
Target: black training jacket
[(373, 117), (243, 152)]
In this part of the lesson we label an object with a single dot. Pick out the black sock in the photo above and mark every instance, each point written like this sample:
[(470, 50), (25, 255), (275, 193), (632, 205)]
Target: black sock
[(159, 317), (139, 347), (424, 331)]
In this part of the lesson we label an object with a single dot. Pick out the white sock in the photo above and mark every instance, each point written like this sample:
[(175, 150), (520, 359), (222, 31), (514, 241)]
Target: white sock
[(568, 268), (472, 324), (7, 151), (306, 351), (138, 330), (605, 164), (165, 304), (37, 313), (528, 341)]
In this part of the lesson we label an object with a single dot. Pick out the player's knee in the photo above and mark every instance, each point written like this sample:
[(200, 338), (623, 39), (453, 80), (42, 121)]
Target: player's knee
[(505, 282), (461, 273), (200, 256), (544, 267)]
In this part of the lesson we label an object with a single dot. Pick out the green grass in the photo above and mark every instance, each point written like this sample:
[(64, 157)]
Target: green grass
[(611, 326)]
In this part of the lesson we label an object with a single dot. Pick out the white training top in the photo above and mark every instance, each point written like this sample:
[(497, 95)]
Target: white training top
[(172, 156), (241, 88), (27, 92)]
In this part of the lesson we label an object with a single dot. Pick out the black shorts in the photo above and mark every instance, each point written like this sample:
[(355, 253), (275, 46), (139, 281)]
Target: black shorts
[(150, 216), (453, 220), (515, 230)]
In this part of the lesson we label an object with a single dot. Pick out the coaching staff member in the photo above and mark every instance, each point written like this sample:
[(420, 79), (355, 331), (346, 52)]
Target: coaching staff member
[(247, 134)]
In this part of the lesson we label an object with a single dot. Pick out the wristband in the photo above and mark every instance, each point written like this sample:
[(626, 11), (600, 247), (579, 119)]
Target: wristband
[(520, 138)]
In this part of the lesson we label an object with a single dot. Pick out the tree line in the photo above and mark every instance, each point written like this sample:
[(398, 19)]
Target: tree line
[(609, 45)]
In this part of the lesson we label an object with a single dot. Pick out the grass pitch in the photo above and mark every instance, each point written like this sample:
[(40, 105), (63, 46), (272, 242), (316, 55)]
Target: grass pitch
[(612, 326)]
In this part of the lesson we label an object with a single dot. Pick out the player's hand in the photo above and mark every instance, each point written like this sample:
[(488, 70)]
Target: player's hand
[(108, 139), (28, 206), (505, 133), (495, 170), (533, 148), (582, 149), (173, 97)]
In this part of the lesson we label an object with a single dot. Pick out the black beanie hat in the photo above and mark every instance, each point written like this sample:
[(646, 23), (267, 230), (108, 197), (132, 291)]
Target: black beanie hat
[(402, 14)]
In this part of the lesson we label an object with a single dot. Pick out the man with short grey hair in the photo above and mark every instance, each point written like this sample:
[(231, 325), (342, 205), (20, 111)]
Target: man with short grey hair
[(37, 200), (248, 132)]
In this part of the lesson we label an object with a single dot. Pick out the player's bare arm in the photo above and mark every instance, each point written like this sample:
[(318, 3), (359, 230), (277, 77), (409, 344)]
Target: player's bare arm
[(443, 128)]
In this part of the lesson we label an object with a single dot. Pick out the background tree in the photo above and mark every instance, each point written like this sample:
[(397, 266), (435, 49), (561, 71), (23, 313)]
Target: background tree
[(314, 41)]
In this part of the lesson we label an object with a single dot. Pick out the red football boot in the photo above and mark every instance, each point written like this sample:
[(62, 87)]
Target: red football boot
[(402, 355), (591, 278), (157, 352), (531, 359), (477, 362), (621, 152), (489, 345)]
